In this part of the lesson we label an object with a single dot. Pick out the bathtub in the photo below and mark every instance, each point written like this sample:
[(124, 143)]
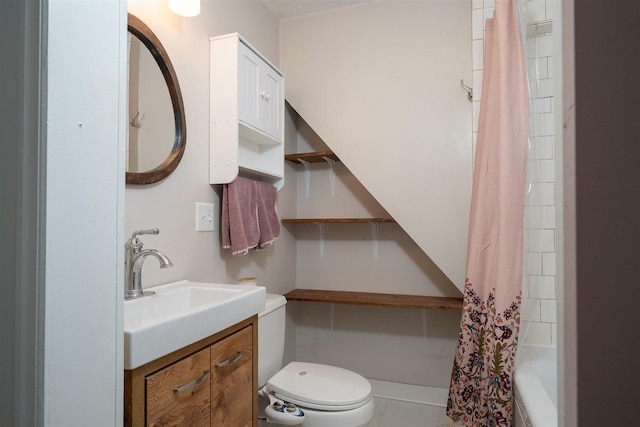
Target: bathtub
[(536, 390)]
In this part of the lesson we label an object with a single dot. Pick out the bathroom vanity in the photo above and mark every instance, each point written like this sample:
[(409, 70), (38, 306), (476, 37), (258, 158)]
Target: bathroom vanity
[(211, 382)]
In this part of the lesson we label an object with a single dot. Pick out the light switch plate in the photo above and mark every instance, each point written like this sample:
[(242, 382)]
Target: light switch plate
[(204, 216)]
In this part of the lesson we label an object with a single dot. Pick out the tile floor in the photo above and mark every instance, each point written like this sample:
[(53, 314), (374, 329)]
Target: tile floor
[(397, 413)]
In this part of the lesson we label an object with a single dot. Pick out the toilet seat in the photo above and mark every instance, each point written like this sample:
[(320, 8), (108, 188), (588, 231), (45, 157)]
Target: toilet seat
[(322, 387)]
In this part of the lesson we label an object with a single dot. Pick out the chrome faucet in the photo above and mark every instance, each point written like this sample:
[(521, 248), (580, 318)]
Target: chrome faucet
[(134, 258)]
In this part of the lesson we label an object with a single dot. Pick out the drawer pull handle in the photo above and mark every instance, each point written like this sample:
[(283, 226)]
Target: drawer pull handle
[(228, 362), (193, 384)]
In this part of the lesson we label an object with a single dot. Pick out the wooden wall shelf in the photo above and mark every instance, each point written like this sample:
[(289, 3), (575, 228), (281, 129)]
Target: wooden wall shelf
[(333, 220), (315, 157), (359, 298), (375, 299)]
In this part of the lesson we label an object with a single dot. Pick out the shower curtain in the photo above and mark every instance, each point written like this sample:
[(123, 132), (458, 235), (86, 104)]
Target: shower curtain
[(481, 392)]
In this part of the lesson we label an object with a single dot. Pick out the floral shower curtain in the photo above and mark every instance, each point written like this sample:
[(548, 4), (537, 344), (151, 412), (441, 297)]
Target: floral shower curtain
[(481, 392)]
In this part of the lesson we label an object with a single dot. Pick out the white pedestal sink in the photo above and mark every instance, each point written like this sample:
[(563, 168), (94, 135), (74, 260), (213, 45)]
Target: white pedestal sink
[(182, 313)]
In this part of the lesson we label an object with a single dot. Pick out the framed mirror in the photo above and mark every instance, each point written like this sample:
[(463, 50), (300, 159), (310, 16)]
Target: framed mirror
[(157, 127)]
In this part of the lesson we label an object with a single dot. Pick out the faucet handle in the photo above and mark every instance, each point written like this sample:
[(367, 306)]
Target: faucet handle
[(136, 244), (140, 232)]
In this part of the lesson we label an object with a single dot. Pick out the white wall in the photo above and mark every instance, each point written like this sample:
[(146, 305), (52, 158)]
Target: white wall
[(84, 175), (401, 267), (170, 204), (379, 82), (401, 345), (349, 257)]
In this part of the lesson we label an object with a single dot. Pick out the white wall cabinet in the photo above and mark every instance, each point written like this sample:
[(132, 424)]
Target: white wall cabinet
[(246, 113)]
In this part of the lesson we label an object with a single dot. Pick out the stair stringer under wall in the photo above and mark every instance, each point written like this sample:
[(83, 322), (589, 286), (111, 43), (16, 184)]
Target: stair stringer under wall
[(379, 83)]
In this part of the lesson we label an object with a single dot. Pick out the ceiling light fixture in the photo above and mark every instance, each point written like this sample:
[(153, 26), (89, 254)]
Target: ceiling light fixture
[(186, 8)]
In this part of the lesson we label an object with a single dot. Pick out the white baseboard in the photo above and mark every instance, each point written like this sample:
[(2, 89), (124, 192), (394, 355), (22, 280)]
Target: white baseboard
[(410, 393)]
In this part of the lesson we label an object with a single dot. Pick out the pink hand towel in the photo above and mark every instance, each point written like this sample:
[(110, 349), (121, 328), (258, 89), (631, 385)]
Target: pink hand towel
[(249, 217), (268, 222), (239, 222)]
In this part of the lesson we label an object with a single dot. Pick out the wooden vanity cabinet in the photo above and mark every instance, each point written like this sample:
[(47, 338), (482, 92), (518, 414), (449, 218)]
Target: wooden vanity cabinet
[(232, 380), (180, 394), (212, 382)]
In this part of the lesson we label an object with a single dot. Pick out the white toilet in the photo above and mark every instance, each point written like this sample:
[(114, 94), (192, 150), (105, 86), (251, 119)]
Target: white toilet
[(323, 395)]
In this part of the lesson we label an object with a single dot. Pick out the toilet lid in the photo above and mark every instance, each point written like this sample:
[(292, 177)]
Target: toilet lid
[(319, 386)]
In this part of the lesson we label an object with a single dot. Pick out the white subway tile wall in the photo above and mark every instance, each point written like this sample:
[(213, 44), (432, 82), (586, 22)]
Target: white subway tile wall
[(539, 282)]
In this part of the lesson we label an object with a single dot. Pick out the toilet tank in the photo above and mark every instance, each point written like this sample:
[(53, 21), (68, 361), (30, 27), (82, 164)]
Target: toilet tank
[(271, 323)]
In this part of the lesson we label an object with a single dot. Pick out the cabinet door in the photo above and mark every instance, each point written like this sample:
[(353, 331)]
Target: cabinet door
[(271, 102), (260, 93), (232, 380), (249, 102), (179, 395)]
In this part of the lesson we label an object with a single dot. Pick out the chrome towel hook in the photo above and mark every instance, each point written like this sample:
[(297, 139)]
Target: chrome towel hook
[(467, 89)]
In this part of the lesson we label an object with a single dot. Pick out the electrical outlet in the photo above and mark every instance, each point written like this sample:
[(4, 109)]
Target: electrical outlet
[(204, 216)]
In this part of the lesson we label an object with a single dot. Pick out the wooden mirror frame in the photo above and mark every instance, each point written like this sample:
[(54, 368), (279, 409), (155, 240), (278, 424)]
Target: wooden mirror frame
[(149, 39)]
